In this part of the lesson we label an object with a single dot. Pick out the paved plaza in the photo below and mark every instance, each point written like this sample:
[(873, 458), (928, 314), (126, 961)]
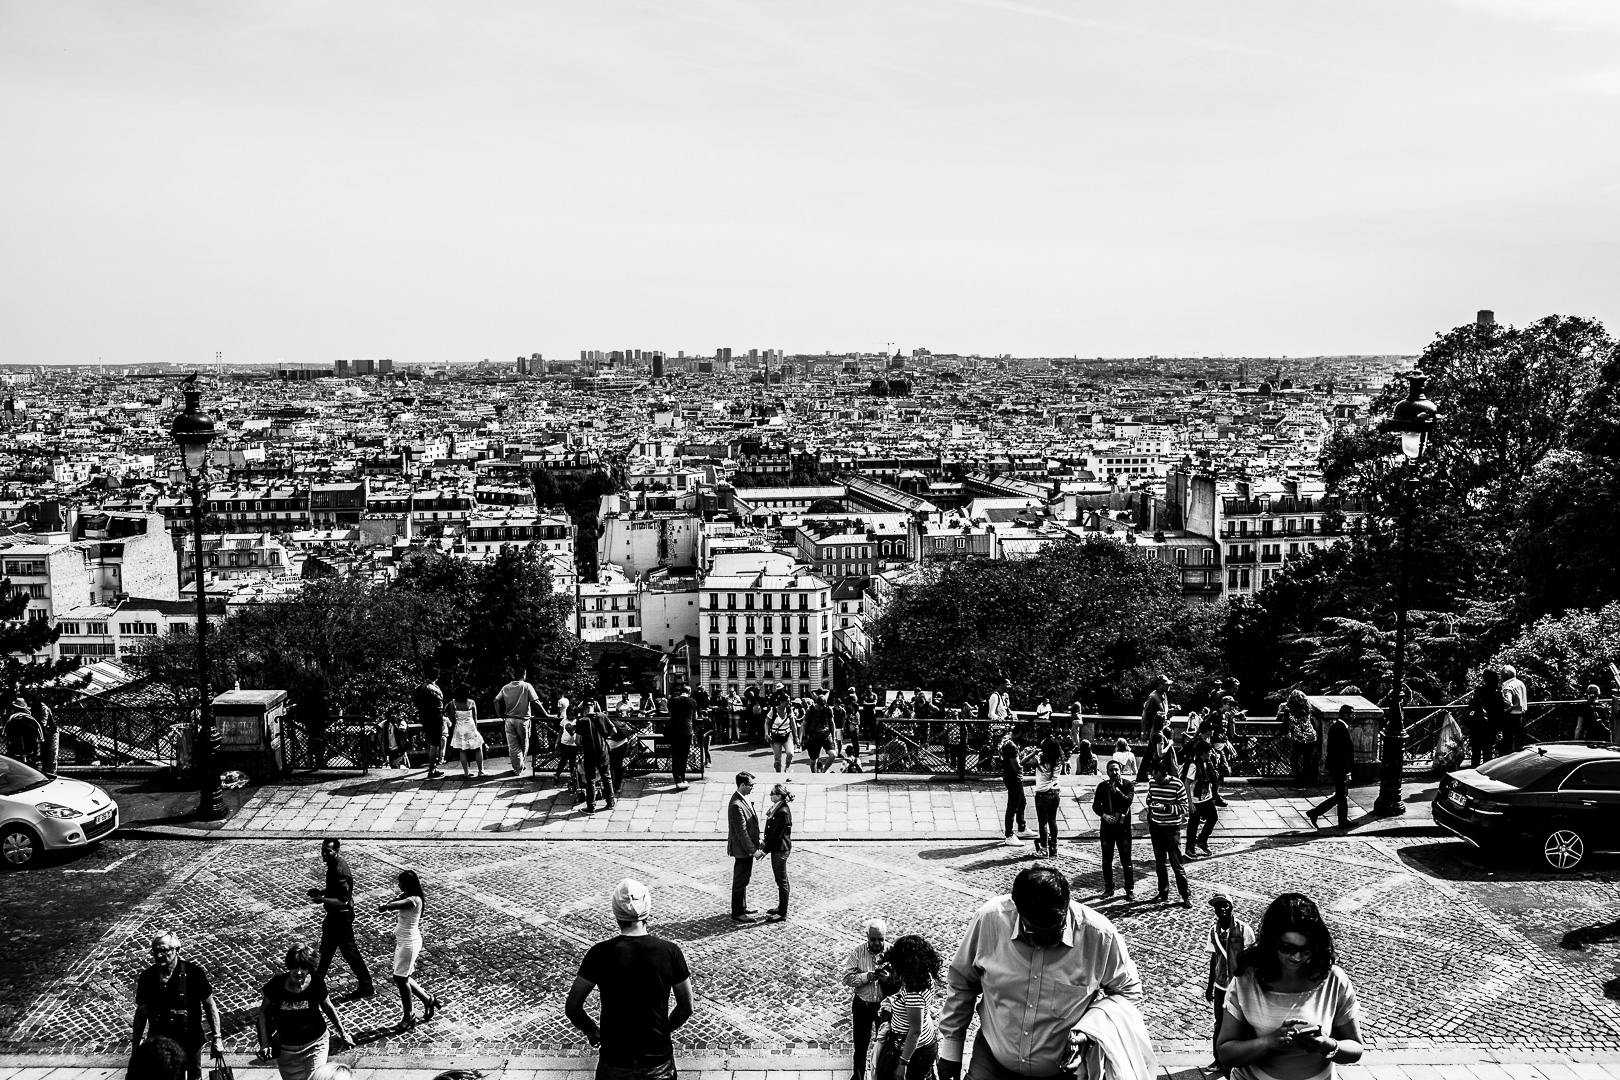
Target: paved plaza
[(829, 806)]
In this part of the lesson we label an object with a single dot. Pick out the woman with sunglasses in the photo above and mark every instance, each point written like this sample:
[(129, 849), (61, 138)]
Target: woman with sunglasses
[(1291, 1011), (293, 1016)]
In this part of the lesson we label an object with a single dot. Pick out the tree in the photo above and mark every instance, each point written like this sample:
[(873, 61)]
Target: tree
[(22, 637), (520, 621), (1089, 618), (1559, 656)]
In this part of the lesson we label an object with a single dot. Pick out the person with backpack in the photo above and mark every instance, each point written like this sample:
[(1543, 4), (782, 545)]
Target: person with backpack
[(1201, 775)]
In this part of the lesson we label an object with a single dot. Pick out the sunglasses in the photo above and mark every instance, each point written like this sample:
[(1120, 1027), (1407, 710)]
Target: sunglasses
[(1285, 949)]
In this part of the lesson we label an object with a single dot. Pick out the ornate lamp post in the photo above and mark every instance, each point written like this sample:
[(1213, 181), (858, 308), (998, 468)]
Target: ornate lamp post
[(1413, 420), (193, 430)]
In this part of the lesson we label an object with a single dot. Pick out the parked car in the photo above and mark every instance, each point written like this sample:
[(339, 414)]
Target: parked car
[(40, 813), (1559, 801)]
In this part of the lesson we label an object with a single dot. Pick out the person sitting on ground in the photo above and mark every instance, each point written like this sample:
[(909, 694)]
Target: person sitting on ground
[(1124, 755)]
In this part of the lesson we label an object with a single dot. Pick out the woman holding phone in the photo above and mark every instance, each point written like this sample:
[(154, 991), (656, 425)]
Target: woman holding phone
[(294, 1013), (1291, 1012)]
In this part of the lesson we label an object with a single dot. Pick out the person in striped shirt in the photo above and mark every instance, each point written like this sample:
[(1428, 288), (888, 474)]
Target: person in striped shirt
[(913, 1043), (1167, 809)]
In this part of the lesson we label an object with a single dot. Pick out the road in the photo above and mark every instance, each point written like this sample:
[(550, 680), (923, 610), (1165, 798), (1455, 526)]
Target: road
[(1444, 951)]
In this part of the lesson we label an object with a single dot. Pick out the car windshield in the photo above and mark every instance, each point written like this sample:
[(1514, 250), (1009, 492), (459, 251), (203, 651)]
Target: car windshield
[(15, 777), (1523, 768)]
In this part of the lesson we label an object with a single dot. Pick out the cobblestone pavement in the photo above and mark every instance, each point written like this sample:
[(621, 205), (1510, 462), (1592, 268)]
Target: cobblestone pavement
[(1443, 952), (829, 807)]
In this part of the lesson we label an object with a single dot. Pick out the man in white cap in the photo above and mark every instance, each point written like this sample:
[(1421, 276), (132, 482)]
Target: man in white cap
[(636, 973)]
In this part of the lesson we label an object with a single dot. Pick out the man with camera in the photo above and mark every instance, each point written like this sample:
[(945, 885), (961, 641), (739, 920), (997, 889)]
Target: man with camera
[(864, 972), (174, 1000)]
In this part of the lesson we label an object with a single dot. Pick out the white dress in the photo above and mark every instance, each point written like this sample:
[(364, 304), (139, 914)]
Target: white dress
[(464, 736), (407, 937)]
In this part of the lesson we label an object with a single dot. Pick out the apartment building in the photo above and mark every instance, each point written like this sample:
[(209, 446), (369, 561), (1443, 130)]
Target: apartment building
[(487, 531), (764, 619), (841, 547)]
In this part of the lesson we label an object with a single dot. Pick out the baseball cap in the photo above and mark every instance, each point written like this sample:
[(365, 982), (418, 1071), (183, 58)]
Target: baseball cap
[(1219, 899), (631, 900)]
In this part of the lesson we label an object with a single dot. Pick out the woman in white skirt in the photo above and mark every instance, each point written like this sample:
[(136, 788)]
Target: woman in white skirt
[(407, 908), (464, 736)]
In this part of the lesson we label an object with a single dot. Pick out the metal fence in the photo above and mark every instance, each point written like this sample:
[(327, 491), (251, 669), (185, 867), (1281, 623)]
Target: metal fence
[(98, 736)]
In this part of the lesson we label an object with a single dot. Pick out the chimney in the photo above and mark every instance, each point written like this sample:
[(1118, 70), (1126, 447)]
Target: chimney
[(1485, 318)]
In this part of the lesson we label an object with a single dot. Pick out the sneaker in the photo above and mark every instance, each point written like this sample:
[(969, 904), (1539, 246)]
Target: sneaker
[(1130, 897), (1204, 852), (681, 786), (1012, 841), (1189, 854), (434, 774)]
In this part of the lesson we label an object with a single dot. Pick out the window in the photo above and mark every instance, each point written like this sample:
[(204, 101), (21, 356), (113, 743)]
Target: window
[(138, 629), (714, 601), (25, 566), (714, 646), (70, 628), (804, 670), (714, 624), (1181, 556), (765, 601), (748, 601), (1594, 776), (767, 628), (804, 624), (1209, 556), (1243, 576), (731, 624), (95, 628), (804, 646), (1231, 579), (731, 601), (615, 622)]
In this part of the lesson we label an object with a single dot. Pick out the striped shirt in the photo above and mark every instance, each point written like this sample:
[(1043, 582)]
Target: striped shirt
[(1167, 801), (861, 961), (925, 1002)]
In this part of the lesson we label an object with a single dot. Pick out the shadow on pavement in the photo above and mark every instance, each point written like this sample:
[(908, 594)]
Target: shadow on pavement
[(958, 852)]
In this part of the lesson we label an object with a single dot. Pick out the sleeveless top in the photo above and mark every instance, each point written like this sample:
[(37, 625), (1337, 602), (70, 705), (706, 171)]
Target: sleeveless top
[(407, 920)]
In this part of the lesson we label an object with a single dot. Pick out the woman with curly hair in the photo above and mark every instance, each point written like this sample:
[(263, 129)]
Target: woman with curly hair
[(293, 1016), (1301, 731), (912, 1047), (1291, 1012)]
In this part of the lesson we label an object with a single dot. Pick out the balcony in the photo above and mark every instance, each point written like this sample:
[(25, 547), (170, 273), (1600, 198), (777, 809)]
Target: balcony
[(1242, 557), (1271, 558)]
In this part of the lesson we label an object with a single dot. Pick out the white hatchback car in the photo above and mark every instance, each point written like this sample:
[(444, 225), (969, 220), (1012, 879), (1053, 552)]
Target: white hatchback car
[(40, 813)]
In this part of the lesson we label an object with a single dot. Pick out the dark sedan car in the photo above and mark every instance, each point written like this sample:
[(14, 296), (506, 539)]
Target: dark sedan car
[(1560, 801)]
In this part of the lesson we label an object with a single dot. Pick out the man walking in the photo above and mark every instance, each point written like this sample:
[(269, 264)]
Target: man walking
[(428, 700), (863, 973), (592, 733), (1112, 804), (515, 703), (1012, 778), (1201, 776), (1167, 816), (636, 974), (682, 711), (1339, 759), (819, 733), (337, 928), (742, 844), (174, 1000), (1031, 963), (1228, 938)]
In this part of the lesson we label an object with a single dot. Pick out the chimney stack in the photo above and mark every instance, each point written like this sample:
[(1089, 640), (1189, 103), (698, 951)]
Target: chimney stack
[(1485, 318)]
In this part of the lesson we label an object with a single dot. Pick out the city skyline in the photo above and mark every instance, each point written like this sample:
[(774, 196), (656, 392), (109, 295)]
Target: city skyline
[(296, 182)]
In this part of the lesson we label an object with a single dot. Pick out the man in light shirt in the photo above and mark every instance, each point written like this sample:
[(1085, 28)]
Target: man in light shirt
[(1031, 963), (515, 702), (999, 707), (863, 974), (1517, 698)]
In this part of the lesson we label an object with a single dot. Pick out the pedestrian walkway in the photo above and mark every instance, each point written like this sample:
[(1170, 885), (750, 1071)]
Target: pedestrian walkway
[(1436, 1064), (405, 804)]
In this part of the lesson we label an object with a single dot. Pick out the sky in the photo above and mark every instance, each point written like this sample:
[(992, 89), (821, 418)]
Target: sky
[(453, 181)]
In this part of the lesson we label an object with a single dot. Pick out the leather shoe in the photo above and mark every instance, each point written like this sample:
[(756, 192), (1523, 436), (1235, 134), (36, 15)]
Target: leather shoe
[(750, 911), (742, 919)]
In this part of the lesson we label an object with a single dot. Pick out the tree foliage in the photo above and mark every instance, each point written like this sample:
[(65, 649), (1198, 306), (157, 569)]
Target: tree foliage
[(20, 637), (1558, 657), (1090, 619)]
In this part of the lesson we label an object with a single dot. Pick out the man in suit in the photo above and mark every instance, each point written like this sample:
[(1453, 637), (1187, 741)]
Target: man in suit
[(742, 844), (1340, 757)]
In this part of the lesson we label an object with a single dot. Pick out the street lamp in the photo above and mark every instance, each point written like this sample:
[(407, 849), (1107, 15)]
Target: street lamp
[(1413, 420), (193, 430)]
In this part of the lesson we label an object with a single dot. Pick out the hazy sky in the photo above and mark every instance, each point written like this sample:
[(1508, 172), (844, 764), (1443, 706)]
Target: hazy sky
[(458, 180)]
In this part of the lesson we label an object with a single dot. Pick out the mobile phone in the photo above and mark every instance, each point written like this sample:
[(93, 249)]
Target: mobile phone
[(1307, 1034)]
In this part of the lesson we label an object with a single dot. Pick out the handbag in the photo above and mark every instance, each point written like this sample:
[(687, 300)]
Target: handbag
[(221, 1070)]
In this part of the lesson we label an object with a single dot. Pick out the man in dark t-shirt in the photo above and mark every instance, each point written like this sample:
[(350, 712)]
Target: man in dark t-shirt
[(428, 700), (636, 974), (336, 897), (173, 999)]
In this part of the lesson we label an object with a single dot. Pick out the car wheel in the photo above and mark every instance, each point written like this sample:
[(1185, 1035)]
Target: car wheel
[(18, 847), (1563, 848)]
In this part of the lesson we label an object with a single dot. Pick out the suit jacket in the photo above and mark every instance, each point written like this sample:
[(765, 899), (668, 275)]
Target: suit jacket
[(742, 838), (681, 713), (779, 829), (1340, 756)]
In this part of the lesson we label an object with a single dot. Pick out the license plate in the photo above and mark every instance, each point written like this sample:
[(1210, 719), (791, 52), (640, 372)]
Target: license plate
[(104, 816), (1457, 798)]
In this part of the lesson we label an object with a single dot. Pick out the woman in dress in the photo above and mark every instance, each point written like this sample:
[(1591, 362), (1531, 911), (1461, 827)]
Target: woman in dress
[(912, 1047), (407, 908), (464, 736), (1291, 1012), (293, 1013)]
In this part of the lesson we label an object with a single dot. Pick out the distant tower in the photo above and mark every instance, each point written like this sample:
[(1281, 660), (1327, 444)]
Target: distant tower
[(1485, 317)]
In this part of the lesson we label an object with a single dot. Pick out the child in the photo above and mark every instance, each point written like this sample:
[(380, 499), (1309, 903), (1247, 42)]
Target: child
[(394, 733), (567, 744)]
